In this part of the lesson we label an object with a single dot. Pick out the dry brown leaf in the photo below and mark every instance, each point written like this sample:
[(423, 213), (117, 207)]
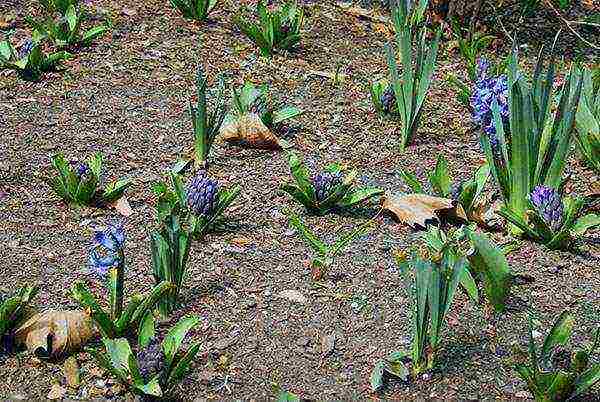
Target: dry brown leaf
[(249, 131), (54, 333), (122, 206), (417, 210), (362, 13)]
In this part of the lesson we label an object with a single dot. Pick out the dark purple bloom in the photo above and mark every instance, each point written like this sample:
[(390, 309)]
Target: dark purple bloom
[(325, 184), (107, 249), (25, 49), (202, 194), (81, 168), (151, 360), (388, 100), (487, 90), (548, 204)]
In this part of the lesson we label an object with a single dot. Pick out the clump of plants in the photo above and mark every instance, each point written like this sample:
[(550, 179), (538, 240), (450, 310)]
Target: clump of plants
[(588, 121), (469, 194), (29, 61), (183, 212), (79, 182), (13, 312), (524, 146), (556, 372), (206, 123), (66, 32), (107, 260), (275, 29), (552, 219), (326, 190), (195, 9), (325, 254), (156, 367), (410, 89)]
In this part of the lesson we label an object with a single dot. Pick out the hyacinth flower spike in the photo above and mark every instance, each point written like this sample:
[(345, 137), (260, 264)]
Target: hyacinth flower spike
[(552, 219), (107, 260)]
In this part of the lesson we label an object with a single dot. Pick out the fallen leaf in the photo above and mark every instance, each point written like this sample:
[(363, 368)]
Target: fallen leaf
[(249, 131), (417, 210), (54, 333), (122, 206), (56, 392), (71, 372), (362, 12), (327, 344), (293, 295), (129, 12), (240, 241)]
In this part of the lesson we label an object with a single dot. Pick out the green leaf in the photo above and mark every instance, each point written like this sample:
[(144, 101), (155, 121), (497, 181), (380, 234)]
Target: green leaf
[(151, 388), (587, 380), (286, 113), (377, 376), (151, 300), (298, 195), (411, 181), (358, 196), (100, 317), (308, 235), (146, 331), (345, 240), (175, 337), (440, 178), (119, 353), (492, 264), (468, 283), (585, 223), (559, 335), (286, 396), (115, 190), (183, 365), (300, 174)]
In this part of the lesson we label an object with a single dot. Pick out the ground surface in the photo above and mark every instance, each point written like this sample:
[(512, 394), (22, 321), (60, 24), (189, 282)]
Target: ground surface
[(127, 97)]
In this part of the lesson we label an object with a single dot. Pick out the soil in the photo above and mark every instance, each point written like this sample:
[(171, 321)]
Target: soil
[(127, 96)]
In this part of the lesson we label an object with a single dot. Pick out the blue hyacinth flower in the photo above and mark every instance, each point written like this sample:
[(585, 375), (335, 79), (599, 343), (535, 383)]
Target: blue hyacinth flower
[(107, 249)]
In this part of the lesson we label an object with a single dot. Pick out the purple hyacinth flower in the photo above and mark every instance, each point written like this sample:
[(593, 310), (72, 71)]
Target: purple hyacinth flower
[(548, 203), (81, 168), (107, 249), (325, 184), (487, 90), (25, 49), (202, 194)]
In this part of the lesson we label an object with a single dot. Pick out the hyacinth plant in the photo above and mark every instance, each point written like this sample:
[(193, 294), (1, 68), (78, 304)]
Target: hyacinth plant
[(184, 212), (107, 261), (195, 9), (326, 254), (29, 61), (383, 98), (79, 182), (156, 367), (555, 372), (552, 219), (206, 123), (524, 146), (588, 121), (469, 194), (326, 190), (411, 87), (274, 29), (66, 32), (250, 99), (13, 312)]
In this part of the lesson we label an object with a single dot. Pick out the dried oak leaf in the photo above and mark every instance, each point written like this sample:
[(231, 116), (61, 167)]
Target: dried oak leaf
[(249, 131), (53, 333), (417, 210), (122, 206)]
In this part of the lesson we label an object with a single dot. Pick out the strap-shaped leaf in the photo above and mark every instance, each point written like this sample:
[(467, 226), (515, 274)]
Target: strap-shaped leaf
[(358, 196), (587, 380), (100, 317), (440, 177), (175, 337), (152, 299), (411, 181), (146, 330), (349, 237), (183, 365), (300, 174), (559, 334), (308, 236), (119, 352), (286, 113)]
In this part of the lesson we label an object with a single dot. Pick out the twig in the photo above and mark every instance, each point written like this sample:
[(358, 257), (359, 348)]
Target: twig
[(568, 24)]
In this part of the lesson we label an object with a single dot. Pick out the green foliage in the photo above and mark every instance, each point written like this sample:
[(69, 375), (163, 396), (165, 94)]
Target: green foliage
[(13, 310), (534, 149), (326, 254), (470, 46), (257, 100), (173, 202), (588, 120), (392, 365), (29, 64), (194, 9), (121, 320), (556, 373), (529, 7), (170, 247), (342, 195), (572, 226), (435, 284), (206, 125), (277, 29), (417, 69), (377, 91), (118, 359), (66, 31), (82, 188), (469, 194)]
